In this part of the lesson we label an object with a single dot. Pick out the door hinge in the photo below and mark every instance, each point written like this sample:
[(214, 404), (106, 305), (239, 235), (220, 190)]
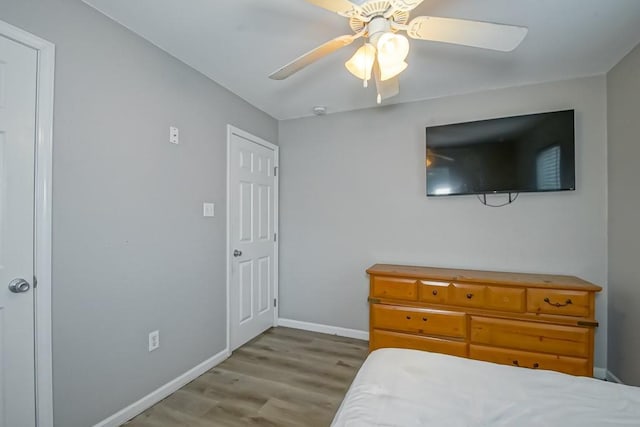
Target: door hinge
[(275, 302), (35, 282), (275, 171), (275, 237)]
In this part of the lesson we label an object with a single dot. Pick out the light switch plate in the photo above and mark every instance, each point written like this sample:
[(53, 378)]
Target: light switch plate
[(154, 340), (208, 209)]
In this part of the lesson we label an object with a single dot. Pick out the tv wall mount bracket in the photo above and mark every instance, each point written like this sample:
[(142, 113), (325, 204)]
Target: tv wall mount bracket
[(483, 199)]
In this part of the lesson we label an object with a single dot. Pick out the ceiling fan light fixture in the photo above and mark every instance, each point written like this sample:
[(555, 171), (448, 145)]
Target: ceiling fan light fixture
[(389, 71), (361, 63), (383, 55), (392, 48)]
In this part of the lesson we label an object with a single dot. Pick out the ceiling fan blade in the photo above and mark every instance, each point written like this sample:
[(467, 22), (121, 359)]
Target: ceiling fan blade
[(486, 35), (341, 7), (312, 56), (388, 88)]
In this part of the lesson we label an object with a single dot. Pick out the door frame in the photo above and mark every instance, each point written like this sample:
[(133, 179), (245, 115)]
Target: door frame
[(231, 130), (42, 227)]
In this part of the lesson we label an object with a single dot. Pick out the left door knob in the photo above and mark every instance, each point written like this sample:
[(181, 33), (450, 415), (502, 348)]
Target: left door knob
[(19, 286)]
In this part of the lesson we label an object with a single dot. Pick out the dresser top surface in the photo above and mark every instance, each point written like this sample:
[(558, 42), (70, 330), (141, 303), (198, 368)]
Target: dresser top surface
[(479, 276)]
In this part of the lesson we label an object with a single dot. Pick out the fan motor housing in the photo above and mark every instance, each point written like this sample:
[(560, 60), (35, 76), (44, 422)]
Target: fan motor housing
[(377, 8), (377, 27)]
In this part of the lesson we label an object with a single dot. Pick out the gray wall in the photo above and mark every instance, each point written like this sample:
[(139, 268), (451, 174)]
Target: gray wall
[(132, 252), (353, 194), (623, 89)]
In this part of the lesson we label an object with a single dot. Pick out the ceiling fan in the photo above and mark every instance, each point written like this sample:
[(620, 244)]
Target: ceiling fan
[(384, 52)]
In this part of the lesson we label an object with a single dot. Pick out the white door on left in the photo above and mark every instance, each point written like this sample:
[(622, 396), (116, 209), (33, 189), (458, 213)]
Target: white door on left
[(252, 226), (18, 74)]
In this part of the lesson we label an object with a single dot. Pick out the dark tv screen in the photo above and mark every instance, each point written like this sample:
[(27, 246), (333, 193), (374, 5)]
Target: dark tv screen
[(528, 153)]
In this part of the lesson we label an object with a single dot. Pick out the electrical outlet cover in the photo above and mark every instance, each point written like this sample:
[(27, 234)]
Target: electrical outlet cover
[(174, 136)]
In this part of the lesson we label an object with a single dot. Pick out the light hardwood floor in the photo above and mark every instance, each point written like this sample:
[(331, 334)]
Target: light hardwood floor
[(284, 377)]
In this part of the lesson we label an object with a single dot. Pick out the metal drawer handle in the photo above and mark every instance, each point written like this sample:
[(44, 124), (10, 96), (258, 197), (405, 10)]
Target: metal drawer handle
[(557, 304), (408, 317), (435, 292), (424, 319), (469, 296), (534, 366)]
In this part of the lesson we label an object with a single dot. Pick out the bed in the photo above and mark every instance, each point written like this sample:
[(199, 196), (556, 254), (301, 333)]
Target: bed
[(399, 387)]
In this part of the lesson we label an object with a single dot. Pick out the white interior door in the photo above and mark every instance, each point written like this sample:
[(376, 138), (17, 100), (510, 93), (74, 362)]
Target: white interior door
[(18, 73), (252, 247)]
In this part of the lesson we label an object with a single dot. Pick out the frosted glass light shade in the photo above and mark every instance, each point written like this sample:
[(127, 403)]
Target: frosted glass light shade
[(361, 63), (392, 48), (389, 71)]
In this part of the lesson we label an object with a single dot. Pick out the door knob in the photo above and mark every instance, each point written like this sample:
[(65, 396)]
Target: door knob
[(19, 286), (237, 253)]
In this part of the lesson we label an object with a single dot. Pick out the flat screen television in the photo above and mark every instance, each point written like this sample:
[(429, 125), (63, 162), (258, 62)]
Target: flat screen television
[(518, 154)]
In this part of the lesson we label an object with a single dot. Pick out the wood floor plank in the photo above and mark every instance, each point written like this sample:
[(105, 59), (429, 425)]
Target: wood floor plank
[(298, 378), (334, 372), (284, 377), (314, 348), (284, 413), (187, 401), (247, 386)]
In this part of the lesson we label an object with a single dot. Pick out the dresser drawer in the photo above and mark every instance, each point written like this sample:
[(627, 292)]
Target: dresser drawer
[(505, 299), (433, 292), (386, 339), (526, 359), (532, 336), (466, 295), (394, 288), (417, 320), (555, 301)]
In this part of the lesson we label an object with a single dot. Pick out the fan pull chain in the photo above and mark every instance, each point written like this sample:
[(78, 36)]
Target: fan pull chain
[(365, 81)]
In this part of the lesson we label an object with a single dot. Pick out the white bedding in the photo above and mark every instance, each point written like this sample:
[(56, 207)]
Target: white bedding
[(409, 388)]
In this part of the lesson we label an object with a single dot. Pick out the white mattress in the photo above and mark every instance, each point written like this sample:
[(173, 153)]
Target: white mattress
[(414, 388)]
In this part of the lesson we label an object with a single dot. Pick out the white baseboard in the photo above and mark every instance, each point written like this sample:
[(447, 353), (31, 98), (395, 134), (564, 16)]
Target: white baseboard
[(599, 373), (605, 374), (157, 395), (324, 329), (613, 378)]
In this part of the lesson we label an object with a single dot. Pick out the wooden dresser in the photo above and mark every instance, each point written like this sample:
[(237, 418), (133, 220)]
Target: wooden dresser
[(528, 320)]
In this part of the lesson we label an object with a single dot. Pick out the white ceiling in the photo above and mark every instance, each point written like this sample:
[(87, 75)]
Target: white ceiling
[(238, 43)]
